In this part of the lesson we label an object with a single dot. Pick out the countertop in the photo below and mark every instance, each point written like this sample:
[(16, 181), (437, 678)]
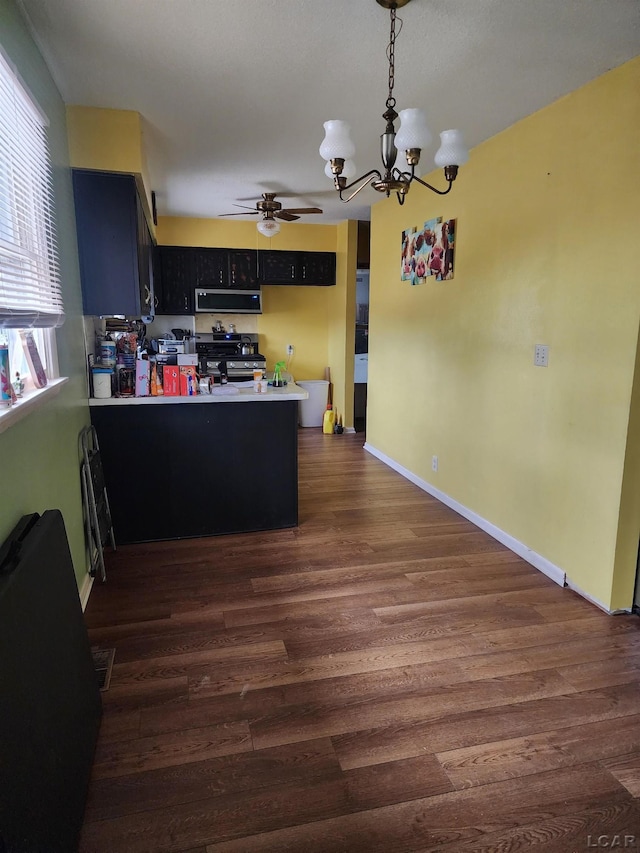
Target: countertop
[(245, 394)]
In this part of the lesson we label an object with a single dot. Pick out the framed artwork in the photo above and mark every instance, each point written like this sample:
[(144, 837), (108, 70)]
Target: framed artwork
[(429, 251)]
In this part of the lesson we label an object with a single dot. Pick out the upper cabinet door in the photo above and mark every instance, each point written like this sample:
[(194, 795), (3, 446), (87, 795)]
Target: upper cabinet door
[(307, 268), (175, 290), (318, 268), (233, 268), (145, 263), (278, 267), (210, 268), (114, 245), (243, 269)]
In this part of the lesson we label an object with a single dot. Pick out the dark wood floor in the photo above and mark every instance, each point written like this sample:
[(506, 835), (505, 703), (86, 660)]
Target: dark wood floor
[(384, 678)]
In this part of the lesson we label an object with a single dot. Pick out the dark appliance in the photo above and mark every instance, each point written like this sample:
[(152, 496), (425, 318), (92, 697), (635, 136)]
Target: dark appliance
[(228, 301), (362, 338), (227, 347), (50, 704)]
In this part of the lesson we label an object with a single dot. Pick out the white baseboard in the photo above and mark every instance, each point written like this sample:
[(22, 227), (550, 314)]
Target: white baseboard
[(570, 585), (536, 560), (85, 591)]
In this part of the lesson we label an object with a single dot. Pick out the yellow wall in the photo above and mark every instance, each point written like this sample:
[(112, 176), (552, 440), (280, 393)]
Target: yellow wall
[(313, 319), (547, 252)]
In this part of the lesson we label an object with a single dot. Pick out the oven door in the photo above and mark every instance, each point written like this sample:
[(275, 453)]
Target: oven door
[(228, 301), (209, 367)]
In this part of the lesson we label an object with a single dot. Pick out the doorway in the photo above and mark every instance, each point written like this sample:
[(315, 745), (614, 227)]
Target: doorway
[(361, 360)]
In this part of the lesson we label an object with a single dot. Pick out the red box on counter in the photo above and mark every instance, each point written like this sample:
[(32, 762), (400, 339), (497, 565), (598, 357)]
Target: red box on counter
[(188, 381), (171, 380)]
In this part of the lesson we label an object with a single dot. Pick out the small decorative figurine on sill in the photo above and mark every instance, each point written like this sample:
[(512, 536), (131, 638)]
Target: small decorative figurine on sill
[(18, 385)]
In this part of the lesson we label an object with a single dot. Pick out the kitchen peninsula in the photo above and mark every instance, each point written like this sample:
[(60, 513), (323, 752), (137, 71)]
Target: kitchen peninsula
[(178, 467)]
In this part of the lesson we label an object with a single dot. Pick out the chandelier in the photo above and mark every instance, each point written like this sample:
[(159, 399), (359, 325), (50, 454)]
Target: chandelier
[(413, 135)]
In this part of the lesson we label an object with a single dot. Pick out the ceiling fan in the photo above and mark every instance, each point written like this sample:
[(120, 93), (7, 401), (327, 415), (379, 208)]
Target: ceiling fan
[(270, 209)]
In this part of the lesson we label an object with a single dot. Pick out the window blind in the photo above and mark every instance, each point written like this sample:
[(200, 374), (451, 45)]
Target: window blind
[(30, 292)]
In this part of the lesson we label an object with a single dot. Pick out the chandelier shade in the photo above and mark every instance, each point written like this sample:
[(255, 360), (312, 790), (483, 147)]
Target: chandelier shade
[(412, 137), (413, 131), (452, 151), (337, 141)]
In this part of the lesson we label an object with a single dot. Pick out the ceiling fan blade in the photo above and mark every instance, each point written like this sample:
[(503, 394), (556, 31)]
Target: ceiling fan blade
[(286, 215), (301, 210), (248, 212), (252, 209)]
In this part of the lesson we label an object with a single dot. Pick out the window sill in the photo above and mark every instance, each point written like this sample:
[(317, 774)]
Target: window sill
[(10, 415)]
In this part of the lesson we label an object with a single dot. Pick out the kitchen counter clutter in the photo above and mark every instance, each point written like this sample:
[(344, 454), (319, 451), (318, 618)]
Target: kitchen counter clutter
[(238, 392)]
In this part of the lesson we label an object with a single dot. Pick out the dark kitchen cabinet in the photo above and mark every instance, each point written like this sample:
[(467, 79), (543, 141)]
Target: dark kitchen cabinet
[(174, 291), (210, 268), (236, 269), (243, 269), (301, 268), (114, 245), (221, 479), (183, 269)]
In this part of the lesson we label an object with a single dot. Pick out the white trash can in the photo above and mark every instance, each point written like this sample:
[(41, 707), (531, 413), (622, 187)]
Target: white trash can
[(311, 411)]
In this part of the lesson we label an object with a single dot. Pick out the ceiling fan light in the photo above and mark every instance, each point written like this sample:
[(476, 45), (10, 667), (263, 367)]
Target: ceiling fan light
[(452, 151), (268, 227), (413, 131), (348, 170), (337, 141)]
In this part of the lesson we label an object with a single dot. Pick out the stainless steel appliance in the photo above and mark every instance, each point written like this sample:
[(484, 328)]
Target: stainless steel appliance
[(228, 301), (174, 347), (226, 347), (169, 349)]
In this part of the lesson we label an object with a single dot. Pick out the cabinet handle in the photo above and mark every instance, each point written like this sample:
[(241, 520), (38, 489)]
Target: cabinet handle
[(147, 295), (186, 301), (293, 271)]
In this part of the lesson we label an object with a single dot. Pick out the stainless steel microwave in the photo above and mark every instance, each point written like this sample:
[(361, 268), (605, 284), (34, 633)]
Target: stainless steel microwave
[(228, 301)]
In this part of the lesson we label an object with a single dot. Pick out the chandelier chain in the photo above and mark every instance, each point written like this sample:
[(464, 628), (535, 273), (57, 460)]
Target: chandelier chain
[(391, 55)]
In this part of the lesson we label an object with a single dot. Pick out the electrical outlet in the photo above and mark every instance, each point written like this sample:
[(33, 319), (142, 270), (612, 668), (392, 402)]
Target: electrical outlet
[(289, 349), (541, 355), (434, 463)]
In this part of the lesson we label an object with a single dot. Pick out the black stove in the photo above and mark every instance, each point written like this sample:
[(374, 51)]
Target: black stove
[(226, 347)]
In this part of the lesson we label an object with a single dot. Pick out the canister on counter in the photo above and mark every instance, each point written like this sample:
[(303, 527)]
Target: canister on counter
[(126, 382), (108, 353), (102, 379)]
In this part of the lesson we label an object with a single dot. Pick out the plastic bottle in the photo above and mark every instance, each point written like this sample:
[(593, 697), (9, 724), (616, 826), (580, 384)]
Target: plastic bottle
[(328, 422)]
